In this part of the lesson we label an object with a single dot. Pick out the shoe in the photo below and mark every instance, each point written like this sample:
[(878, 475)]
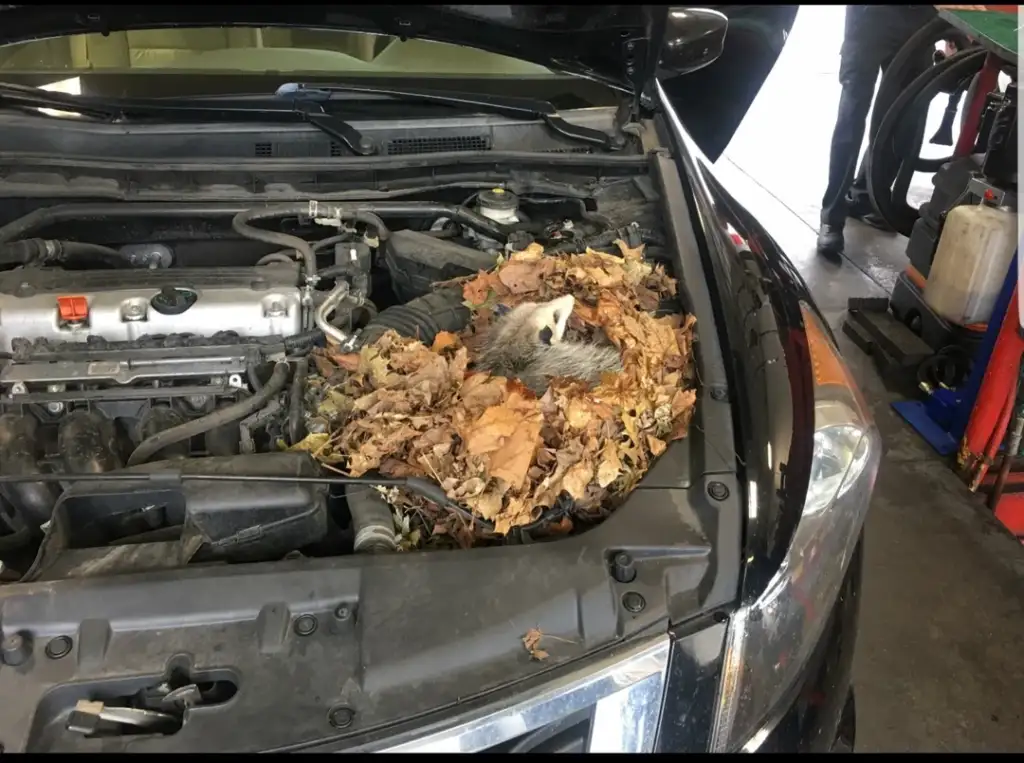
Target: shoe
[(830, 240), (875, 221)]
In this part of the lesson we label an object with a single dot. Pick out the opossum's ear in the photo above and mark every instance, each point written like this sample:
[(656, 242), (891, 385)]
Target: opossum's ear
[(562, 310)]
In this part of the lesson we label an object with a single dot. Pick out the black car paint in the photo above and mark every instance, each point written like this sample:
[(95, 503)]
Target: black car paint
[(714, 100), (759, 298)]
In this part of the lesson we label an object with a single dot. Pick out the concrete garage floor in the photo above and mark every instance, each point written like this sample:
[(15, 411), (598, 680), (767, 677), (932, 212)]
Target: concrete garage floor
[(938, 662)]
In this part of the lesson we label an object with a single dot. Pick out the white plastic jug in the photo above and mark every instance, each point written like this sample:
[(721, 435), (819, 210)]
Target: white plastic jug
[(971, 263)]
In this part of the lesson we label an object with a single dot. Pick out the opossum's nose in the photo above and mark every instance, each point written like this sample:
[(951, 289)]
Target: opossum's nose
[(546, 335)]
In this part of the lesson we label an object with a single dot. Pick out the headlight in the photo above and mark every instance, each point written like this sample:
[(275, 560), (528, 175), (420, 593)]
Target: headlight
[(623, 692), (770, 640)]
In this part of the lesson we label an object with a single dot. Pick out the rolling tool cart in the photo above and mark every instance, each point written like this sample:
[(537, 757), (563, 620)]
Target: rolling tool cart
[(935, 328)]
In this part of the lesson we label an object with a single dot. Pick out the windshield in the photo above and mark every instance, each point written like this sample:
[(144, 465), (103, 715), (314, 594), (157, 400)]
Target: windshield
[(255, 50)]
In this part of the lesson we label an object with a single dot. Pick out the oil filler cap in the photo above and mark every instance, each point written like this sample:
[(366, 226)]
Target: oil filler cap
[(173, 300)]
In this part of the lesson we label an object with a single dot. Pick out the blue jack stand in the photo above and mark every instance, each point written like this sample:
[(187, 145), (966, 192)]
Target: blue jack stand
[(933, 418)]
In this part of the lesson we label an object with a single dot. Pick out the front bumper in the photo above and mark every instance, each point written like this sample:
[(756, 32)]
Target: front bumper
[(611, 705), (817, 715)]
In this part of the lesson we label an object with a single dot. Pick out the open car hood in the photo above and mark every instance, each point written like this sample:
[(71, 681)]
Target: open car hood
[(618, 45), (600, 42)]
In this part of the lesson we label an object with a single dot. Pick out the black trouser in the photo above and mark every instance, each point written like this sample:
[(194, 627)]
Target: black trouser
[(873, 37)]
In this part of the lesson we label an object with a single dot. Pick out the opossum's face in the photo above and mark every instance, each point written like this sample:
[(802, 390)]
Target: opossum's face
[(549, 319)]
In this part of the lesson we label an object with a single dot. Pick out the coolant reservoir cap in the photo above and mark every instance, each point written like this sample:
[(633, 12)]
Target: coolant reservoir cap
[(173, 300), (498, 199)]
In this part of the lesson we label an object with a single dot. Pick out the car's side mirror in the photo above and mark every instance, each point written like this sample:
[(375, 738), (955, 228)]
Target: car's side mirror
[(694, 37)]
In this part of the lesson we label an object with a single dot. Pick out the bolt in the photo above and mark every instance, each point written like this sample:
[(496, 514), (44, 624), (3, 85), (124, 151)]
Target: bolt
[(718, 491), (133, 311), (55, 407), (59, 647), (720, 617), (633, 602), (342, 612), (14, 649), (719, 393), (305, 625), (196, 401), (630, 46), (623, 569), (341, 717), (275, 309), (18, 388)]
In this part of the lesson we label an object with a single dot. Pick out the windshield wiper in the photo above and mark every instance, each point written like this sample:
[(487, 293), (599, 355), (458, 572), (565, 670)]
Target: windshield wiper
[(516, 108), (126, 110)]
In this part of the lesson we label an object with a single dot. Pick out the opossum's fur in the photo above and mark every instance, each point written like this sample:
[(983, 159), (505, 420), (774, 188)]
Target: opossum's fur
[(528, 344)]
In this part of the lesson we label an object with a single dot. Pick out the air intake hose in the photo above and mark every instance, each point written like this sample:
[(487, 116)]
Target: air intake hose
[(371, 520), (421, 318)]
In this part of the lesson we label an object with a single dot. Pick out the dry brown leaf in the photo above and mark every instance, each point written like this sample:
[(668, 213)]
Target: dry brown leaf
[(444, 340), (531, 641), (657, 446), (577, 478), (611, 465), (490, 443), (522, 277)]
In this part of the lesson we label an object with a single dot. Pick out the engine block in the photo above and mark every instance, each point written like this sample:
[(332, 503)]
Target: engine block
[(127, 305)]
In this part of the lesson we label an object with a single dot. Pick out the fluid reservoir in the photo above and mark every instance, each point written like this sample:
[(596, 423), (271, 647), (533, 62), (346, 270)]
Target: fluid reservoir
[(499, 205), (971, 263)]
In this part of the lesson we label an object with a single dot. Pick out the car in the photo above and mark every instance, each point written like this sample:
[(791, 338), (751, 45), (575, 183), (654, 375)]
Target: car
[(178, 186)]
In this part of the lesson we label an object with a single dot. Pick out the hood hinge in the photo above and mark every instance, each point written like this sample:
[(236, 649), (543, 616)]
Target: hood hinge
[(635, 57)]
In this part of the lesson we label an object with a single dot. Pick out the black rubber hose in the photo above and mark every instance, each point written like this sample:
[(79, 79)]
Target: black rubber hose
[(421, 318), (37, 250), (281, 257), (906, 60), (298, 389), (240, 224), (220, 417), (298, 343), (368, 212), (371, 520), (913, 100), (45, 216), (253, 376), (21, 252)]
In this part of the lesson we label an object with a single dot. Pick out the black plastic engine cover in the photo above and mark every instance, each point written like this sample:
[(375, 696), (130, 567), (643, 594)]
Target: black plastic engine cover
[(102, 528), (417, 261)]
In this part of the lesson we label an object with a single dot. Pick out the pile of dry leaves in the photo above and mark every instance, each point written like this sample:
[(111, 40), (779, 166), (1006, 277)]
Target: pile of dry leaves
[(405, 409)]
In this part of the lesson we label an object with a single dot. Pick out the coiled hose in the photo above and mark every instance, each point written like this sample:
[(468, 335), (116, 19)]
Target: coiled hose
[(229, 413), (902, 127)]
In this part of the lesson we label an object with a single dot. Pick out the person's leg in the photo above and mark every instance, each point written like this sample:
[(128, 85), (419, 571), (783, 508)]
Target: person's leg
[(858, 70), (858, 200)]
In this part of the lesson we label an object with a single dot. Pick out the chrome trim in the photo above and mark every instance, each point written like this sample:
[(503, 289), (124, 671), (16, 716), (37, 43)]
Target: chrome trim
[(625, 690)]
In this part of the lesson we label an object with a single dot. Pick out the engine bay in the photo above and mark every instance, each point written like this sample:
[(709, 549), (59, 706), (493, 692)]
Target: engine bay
[(176, 353)]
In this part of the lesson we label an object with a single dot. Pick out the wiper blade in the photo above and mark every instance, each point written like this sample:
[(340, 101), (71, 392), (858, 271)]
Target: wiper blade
[(125, 110), (20, 96), (519, 108)]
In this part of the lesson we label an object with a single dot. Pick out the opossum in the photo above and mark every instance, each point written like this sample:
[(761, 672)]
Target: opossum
[(528, 344)]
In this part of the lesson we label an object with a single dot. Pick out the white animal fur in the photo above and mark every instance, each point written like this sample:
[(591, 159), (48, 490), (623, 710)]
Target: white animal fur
[(529, 344)]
